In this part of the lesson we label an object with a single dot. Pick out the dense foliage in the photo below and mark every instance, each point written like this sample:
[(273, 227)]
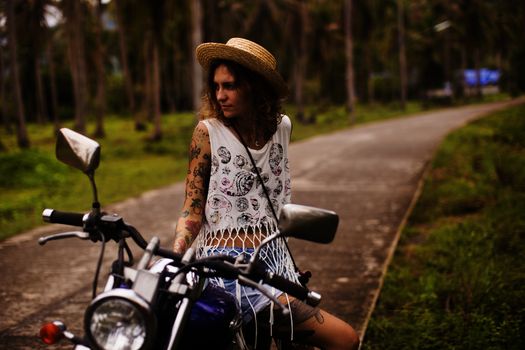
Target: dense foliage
[(87, 57), (457, 281)]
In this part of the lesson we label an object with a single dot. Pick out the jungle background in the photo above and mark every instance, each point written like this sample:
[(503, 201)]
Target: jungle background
[(80, 59)]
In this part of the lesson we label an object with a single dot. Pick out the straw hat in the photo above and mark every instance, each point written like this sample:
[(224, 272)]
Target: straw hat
[(246, 53)]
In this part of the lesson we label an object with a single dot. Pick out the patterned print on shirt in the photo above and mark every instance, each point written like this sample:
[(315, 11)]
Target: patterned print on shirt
[(278, 188), (214, 165), (241, 204), (276, 156), (246, 219), (242, 184), (240, 161), (255, 203), (224, 155), (218, 201)]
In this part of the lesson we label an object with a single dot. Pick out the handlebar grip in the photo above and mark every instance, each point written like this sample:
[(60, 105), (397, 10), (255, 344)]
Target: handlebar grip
[(286, 286), (62, 217), (310, 297)]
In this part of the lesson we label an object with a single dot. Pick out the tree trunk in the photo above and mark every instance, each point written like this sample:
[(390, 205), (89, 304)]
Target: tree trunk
[(350, 89), (41, 101), (168, 83), (21, 130), (402, 55), (196, 39), (128, 81), (100, 98), (36, 10), (76, 55), (52, 78), (301, 57), (147, 102), (6, 122), (369, 82), (157, 131)]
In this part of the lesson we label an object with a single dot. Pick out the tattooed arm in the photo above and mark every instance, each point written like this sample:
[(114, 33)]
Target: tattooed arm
[(197, 180)]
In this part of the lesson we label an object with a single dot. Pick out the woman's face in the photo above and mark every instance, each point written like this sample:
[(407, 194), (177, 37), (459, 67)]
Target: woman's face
[(230, 96)]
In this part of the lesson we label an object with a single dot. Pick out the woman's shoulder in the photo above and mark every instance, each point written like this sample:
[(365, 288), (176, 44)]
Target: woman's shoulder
[(285, 124), (285, 121), (212, 123), (201, 134)]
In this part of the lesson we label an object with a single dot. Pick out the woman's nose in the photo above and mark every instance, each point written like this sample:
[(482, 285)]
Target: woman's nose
[(221, 96)]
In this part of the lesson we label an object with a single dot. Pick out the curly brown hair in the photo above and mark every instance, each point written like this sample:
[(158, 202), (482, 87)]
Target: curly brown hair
[(266, 111)]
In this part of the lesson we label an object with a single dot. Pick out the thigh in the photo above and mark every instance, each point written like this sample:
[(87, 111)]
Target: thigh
[(314, 326), (324, 330)]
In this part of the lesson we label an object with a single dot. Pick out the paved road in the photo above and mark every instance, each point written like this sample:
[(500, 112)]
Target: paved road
[(370, 175)]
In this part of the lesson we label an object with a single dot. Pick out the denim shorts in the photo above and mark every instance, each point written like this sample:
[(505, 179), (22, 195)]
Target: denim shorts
[(251, 300)]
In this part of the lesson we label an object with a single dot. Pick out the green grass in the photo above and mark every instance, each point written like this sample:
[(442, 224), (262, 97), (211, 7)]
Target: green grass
[(457, 280), (31, 180)]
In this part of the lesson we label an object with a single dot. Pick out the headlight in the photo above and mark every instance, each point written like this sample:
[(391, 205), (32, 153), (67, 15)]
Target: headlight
[(120, 320)]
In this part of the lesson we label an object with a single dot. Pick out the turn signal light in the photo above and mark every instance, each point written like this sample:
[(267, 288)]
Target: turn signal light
[(51, 333)]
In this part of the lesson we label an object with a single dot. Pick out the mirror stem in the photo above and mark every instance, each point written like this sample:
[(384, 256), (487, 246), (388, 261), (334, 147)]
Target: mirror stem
[(96, 204)]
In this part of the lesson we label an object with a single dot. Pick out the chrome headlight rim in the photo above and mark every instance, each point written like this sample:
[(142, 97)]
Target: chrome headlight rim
[(129, 296)]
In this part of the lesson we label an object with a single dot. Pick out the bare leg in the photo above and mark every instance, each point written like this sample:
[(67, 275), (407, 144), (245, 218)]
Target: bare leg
[(329, 332), (323, 330)]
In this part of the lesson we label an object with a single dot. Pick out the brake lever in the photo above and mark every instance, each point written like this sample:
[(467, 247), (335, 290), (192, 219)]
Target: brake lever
[(63, 235)]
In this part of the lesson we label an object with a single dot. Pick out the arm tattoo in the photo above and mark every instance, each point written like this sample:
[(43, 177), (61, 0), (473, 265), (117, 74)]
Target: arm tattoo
[(197, 180)]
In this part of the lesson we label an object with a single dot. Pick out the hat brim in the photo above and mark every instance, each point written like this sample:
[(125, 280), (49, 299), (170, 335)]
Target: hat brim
[(208, 52)]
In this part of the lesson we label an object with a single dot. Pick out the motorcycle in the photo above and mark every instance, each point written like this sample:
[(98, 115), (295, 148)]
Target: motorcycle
[(168, 303)]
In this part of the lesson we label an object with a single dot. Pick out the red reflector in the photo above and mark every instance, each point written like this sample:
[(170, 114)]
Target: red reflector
[(50, 333)]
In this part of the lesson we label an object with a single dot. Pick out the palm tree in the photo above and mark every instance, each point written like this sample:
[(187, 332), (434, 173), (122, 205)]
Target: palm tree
[(402, 55), (300, 27), (3, 110), (21, 131), (74, 30), (100, 98), (196, 39), (128, 81), (38, 30), (5, 119), (52, 83), (349, 46), (156, 16)]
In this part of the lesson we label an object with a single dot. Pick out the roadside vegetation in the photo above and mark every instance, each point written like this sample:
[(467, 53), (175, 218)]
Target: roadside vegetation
[(32, 179), (457, 280)]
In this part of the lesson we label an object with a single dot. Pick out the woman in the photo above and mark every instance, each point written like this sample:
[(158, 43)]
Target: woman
[(232, 205)]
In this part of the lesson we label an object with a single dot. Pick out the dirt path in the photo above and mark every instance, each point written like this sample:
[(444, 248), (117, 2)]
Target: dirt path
[(370, 175)]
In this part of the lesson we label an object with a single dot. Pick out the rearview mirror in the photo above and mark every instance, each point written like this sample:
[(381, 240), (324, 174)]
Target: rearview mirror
[(308, 223), (77, 150)]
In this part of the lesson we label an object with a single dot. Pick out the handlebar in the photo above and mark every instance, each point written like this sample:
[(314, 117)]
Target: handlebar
[(225, 266), (113, 227), (63, 217)]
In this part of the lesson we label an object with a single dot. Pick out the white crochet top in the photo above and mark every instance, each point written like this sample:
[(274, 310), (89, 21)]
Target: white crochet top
[(236, 202)]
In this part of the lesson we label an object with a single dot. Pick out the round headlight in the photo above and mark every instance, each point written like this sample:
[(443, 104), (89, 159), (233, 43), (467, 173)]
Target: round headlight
[(119, 320)]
